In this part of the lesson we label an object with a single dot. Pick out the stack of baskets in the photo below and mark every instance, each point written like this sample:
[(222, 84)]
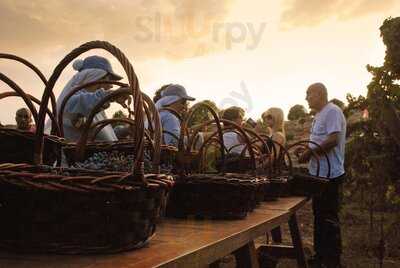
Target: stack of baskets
[(218, 196), (71, 211), (215, 196)]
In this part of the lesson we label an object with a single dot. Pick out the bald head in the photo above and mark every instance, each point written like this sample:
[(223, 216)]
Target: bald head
[(317, 96), (23, 117), (23, 112), (320, 89)]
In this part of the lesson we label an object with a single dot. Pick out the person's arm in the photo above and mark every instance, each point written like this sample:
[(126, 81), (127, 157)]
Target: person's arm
[(328, 144), (171, 124), (84, 102), (280, 139)]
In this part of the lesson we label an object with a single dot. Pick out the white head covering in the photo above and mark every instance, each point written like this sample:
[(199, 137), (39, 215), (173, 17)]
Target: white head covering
[(80, 78), (83, 77), (165, 101)]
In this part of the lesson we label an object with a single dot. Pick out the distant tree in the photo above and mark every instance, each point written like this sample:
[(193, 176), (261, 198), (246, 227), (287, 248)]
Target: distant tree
[(289, 137), (262, 127), (338, 103), (373, 149), (202, 114), (302, 120), (119, 114), (296, 112)]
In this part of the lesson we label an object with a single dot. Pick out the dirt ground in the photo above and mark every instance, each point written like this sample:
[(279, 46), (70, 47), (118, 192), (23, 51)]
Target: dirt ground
[(356, 252)]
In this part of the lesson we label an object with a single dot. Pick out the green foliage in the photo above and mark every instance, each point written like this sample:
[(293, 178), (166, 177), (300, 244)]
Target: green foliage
[(390, 32), (202, 114), (338, 103), (119, 114), (296, 112), (302, 121), (373, 149), (289, 137)]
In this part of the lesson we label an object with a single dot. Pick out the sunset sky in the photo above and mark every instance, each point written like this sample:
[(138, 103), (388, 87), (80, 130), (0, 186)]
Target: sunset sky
[(254, 54)]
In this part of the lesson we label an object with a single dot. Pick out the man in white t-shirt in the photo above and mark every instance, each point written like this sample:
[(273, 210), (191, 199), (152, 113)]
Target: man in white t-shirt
[(329, 131)]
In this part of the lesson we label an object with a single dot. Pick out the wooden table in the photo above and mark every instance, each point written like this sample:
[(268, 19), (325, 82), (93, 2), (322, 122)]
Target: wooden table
[(182, 243), (296, 251)]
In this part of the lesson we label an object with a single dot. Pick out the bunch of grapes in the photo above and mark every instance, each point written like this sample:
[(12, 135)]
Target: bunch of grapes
[(113, 161)]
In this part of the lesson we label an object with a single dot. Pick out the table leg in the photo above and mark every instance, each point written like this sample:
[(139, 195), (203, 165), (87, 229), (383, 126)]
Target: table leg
[(246, 256), (276, 235), (297, 243), (215, 264)]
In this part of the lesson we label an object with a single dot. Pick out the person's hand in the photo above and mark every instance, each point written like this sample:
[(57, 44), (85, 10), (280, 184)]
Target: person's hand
[(259, 128), (303, 155), (106, 106), (123, 99), (298, 151)]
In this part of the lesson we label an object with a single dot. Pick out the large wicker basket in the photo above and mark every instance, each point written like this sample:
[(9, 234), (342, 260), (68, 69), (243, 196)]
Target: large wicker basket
[(72, 211), (45, 209)]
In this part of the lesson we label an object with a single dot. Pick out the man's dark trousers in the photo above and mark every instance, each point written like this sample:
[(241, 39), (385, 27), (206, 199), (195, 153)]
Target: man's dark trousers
[(327, 237)]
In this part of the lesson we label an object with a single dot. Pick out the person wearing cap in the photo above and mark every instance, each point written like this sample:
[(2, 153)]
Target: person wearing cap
[(174, 97), (79, 106)]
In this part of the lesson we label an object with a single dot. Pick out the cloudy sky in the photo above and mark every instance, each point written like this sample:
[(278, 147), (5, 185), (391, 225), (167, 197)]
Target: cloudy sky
[(255, 54)]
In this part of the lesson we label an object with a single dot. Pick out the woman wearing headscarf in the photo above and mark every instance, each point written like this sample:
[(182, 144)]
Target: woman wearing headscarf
[(174, 97), (79, 106)]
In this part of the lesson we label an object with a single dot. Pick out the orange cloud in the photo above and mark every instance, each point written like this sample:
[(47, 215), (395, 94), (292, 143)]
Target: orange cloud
[(313, 12), (147, 29)]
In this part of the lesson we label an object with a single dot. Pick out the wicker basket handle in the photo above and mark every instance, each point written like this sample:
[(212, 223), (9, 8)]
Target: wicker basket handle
[(23, 95), (234, 126), (41, 77), (98, 126), (259, 138), (268, 140), (149, 108), (81, 144), (7, 94), (305, 144), (185, 127), (264, 148), (156, 128), (77, 89), (134, 87)]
